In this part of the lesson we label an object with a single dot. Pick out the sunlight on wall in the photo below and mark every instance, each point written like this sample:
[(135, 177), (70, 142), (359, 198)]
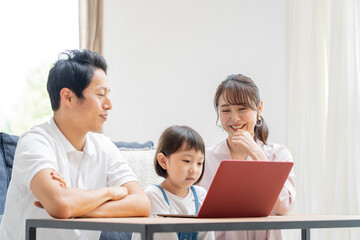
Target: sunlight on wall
[(35, 33)]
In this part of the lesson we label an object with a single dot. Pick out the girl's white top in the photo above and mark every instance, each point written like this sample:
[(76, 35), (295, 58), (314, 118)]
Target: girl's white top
[(178, 205)]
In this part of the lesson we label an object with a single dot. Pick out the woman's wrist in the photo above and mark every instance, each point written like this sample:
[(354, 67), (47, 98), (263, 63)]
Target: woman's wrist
[(257, 154)]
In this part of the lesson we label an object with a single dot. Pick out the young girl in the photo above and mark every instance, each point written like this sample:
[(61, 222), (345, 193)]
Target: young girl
[(238, 105), (179, 158)]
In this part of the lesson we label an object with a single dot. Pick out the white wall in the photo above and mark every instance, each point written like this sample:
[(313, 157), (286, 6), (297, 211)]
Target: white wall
[(166, 59)]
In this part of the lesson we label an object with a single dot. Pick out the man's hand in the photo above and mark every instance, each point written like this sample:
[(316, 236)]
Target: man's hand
[(56, 176), (62, 202), (118, 192)]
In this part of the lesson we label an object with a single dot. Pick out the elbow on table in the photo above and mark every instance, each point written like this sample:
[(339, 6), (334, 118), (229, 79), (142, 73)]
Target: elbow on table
[(284, 207), (143, 207), (60, 208)]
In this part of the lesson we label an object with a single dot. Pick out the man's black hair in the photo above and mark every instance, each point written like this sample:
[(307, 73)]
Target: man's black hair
[(74, 70)]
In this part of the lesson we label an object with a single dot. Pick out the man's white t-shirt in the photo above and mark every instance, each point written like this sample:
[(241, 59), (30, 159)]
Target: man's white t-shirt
[(44, 146)]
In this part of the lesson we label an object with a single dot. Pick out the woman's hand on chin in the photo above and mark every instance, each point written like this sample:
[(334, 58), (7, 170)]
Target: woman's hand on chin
[(243, 140)]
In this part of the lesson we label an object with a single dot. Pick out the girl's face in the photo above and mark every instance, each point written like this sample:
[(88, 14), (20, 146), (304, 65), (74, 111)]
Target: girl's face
[(183, 168), (237, 117)]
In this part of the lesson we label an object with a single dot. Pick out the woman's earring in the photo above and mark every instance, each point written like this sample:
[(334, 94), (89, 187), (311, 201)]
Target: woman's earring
[(221, 127), (258, 122)]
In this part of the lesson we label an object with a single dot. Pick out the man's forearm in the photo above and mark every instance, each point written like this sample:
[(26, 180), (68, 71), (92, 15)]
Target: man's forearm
[(74, 202), (136, 204), (62, 202), (130, 206)]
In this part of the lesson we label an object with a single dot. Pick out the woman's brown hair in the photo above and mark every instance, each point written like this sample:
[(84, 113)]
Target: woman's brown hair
[(241, 90), (178, 138)]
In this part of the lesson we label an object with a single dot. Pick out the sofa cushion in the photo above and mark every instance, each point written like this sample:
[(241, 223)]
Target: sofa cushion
[(7, 150), (141, 161), (131, 145), (115, 236)]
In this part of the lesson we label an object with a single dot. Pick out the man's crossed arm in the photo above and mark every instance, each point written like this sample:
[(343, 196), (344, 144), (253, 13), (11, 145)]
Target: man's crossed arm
[(61, 202)]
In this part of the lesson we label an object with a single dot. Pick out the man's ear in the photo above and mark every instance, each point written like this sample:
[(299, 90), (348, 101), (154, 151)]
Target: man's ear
[(66, 96), (161, 158)]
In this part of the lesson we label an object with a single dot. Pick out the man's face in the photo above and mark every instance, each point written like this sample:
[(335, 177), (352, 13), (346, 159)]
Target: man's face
[(93, 109)]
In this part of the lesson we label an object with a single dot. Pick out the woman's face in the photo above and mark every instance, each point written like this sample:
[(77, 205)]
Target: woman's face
[(237, 117)]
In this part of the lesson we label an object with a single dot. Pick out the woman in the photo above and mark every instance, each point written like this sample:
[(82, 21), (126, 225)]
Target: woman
[(238, 106)]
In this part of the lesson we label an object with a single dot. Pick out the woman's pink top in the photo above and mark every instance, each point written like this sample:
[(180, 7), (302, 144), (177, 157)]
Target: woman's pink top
[(284, 203)]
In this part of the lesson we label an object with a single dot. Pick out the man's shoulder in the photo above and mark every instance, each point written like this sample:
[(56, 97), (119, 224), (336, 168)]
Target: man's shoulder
[(39, 132)]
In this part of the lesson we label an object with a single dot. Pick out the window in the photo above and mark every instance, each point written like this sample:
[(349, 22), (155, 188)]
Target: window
[(35, 33)]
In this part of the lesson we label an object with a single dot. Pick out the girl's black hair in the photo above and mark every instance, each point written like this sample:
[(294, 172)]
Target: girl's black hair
[(178, 138)]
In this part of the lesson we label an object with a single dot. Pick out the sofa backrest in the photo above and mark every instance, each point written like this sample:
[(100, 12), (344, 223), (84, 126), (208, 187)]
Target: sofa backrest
[(7, 149)]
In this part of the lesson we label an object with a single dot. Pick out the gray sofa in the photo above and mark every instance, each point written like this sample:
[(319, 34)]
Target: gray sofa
[(139, 156)]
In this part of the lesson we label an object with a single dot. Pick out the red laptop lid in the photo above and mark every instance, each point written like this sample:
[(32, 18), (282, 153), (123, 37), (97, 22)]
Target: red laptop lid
[(245, 189)]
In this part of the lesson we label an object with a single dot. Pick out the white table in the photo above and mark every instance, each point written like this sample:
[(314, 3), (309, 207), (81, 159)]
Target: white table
[(147, 226)]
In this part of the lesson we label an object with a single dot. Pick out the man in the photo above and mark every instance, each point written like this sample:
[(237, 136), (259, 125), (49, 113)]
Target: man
[(66, 169)]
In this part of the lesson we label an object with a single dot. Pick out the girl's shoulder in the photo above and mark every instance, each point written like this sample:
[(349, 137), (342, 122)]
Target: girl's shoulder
[(153, 191), (199, 188), (201, 192)]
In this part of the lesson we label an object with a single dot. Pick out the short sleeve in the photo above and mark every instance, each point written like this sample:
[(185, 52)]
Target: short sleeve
[(34, 152), (201, 192), (118, 169), (158, 203)]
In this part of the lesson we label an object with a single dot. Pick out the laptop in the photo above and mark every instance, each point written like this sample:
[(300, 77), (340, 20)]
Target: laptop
[(243, 189)]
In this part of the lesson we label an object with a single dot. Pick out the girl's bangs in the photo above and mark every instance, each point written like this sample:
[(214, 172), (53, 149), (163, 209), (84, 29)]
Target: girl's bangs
[(193, 144)]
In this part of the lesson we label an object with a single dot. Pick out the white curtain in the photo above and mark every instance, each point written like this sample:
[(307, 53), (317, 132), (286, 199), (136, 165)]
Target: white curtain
[(343, 120), (323, 109)]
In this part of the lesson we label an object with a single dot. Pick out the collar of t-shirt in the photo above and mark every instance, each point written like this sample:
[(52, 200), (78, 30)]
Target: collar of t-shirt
[(89, 148), (74, 157)]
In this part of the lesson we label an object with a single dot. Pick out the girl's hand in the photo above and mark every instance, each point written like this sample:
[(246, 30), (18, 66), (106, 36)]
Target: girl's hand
[(243, 139)]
